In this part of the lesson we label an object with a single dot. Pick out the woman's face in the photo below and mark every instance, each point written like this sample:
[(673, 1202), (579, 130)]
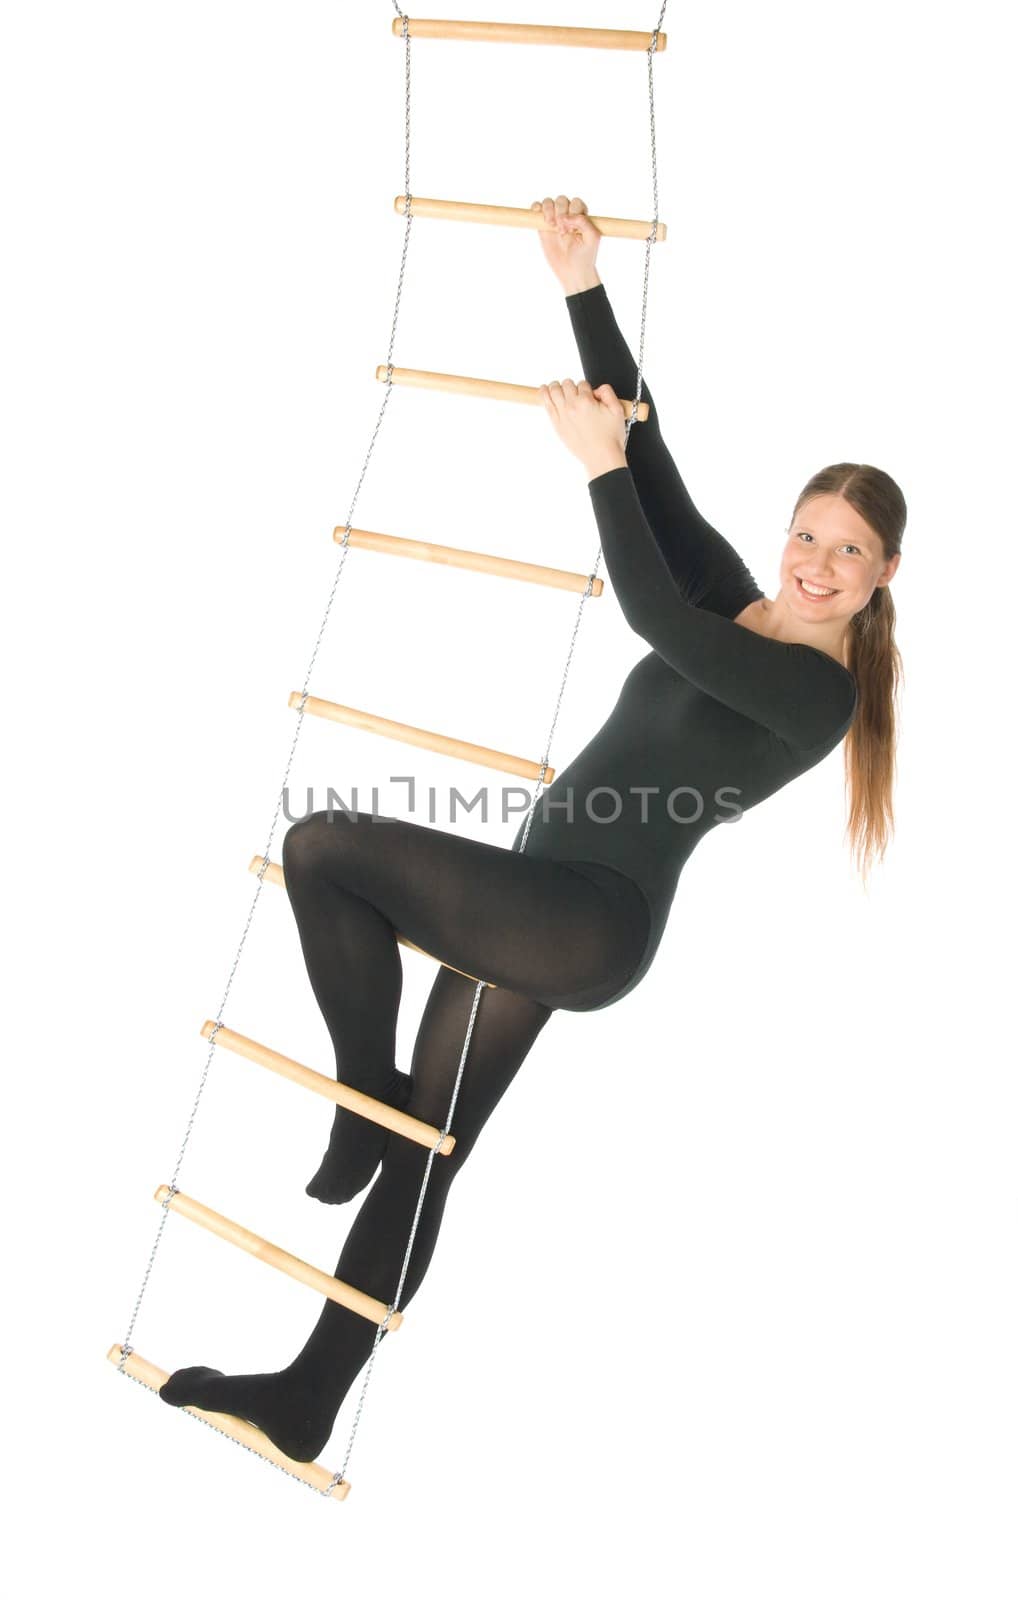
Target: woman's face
[(832, 561)]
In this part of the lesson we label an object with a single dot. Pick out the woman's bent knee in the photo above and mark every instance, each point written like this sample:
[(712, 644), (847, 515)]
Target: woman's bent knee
[(300, 843), (311, 839)]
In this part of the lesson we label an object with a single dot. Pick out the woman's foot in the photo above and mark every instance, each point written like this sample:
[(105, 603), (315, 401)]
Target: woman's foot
[(297, 1415), (356, 1146)]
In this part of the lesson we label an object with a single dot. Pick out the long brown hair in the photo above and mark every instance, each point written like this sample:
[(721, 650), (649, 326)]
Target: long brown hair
[(873, 659)]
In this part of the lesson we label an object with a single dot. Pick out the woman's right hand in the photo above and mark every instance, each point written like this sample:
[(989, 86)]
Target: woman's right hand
[(569, 242)]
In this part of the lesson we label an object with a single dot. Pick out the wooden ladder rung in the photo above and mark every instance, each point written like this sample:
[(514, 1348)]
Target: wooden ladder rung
[(364, 1105), (274, 874), (447, 555), (527, 33), (518, 217), (422, 737), (344, 1294), (483, 388), (309, 1472)]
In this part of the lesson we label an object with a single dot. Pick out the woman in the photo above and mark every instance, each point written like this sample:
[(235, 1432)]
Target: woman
[(738, 695)]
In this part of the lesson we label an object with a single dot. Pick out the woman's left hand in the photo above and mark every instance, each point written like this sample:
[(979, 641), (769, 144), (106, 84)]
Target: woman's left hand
[(590, 422)]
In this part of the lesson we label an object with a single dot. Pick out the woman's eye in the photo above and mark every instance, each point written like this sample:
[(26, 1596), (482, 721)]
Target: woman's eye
[(805, 536)]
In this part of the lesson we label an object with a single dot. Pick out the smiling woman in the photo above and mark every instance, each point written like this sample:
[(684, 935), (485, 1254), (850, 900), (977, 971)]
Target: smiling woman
[(838, 554), (736, 697), (843, 549), (852, 546)]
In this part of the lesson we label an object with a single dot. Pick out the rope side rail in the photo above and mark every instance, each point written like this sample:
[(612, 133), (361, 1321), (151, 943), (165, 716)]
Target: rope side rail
[(528, 33), (363, 1105), (447, 555), (244, 1433), (274, 874), (480, 388), (518, 217), (423, 738), (344, 1294)]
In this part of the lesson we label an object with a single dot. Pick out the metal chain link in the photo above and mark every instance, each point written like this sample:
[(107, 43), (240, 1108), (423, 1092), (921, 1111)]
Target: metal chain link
[(339, 1476)]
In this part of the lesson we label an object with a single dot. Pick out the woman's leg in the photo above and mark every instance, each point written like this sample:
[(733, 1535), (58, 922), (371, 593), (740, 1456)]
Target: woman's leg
[(545, 934), (533, 926), (297, 1407)]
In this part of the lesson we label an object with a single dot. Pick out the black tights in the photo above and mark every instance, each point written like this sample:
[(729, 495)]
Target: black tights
[(545, 934)]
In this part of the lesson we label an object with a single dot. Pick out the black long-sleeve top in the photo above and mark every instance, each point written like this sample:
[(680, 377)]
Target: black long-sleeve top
[(715, 718)]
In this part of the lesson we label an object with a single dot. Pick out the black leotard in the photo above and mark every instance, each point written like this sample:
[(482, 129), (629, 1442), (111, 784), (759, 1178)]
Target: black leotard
[(712, 706), (721, 714)]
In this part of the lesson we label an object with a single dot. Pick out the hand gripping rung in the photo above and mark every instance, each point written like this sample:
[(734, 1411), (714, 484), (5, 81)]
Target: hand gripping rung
[(482, 388), (310, 1472), (344, 1294), (274, 874), (528, 33), (459, 749), (520, 217), (447, 555), (363, 1105)]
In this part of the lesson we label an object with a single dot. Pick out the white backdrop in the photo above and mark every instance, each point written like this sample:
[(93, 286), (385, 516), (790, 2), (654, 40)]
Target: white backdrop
[(724, 1304)]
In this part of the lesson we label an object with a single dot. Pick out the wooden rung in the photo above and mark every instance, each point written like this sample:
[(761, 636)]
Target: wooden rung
[(447, 555), (364, 1105), (482, 388), (528, 33), (274, 874), (422, 737), (344, 1294), (518, 217), (309, 1472)]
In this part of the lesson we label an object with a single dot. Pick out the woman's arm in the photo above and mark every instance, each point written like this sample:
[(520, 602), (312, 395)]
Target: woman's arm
[(707, 570), (798, 692)]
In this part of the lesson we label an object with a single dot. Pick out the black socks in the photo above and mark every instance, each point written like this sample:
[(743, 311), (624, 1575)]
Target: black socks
[(292, 1411), (356, 1145), (296, 1407)]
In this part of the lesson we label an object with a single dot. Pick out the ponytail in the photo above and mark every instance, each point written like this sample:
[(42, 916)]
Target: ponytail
[(874, 661), (871, 741)]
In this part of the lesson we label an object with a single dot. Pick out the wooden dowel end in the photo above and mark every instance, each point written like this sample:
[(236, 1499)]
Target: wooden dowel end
[(273, 872)]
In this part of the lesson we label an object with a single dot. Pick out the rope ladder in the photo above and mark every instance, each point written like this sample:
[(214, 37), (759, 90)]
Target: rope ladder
[(335, 1485)]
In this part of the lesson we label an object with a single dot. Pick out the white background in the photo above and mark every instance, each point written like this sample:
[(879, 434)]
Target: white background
[(724, 1304)]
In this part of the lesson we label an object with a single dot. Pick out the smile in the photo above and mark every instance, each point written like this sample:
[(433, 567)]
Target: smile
[(813, 591)]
